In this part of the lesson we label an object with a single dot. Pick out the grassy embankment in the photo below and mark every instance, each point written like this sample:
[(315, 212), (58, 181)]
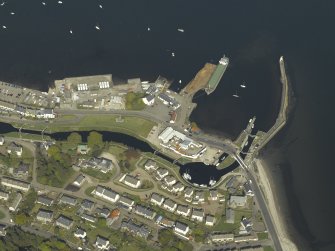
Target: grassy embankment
[(133, 126)]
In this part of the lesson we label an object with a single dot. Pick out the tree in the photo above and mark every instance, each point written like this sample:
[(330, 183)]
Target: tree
[(95, 139), (55, 152), (74, 139)]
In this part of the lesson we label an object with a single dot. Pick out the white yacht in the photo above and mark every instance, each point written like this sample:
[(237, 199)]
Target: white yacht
[(243, 85), (4, 27), (44, 3), (181, 30), (100, 6), (60, 2), (235, 95), (12, 13), (179, 81), (97, 27), (71, 32)]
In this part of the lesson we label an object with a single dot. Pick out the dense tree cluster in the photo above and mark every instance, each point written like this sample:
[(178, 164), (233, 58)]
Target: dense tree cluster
[(17, 239)]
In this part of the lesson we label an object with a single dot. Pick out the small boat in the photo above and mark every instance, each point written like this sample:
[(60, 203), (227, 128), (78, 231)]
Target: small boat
[(187, 176), (179, 81), (172, 54), (97, 27), (212, 182), (217, 164), (145, 82), (3, 3), (60, 2), (71, 32), (100, 6), (4, 27), (203, 185), (44, 3), (195, 184), (243, 85), (180, 30), (235, 95), (148, 29), (12, 13)]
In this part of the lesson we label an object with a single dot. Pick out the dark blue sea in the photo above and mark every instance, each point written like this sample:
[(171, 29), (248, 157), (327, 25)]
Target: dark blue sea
[(36, 48)]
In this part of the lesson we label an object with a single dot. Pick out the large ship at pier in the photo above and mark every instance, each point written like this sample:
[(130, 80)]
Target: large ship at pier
[(217, 75)]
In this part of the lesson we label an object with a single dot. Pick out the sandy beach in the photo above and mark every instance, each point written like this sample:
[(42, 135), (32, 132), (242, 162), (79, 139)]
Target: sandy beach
[(274, 208)]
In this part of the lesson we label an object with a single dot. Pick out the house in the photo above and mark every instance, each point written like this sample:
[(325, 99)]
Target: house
[(246, 225), (162, 172), (106, 193), (183, 210), (197, 214), (188, 192), (82, 149), (16, 184), (131, 181), (150, 165), (44, 200), (14, 148), (45, 114), (79, 180), (68, 200), (126, 201), (178, 187), (237, 201), (80, 233), (246, 238), (88, 217), (102, 243), (22, 170), (87, 205), (247, 189), (103, 165), (230, 216), (170, 180), (157, 199), (199, 196), (102, 212), (219, 237), (113, 216), (64, 222), (181, 228), (135, 229), (2, 140), (44, 215), (145, 212), (149, 100), (15, 202), (213, 194), (210, 220), (165, 222), (170, 205), (4, 195), (3, 230)]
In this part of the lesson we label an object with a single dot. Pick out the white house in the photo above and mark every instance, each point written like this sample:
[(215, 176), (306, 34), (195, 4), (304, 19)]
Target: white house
[(157, 199), (126, 201), (181, 228), (197, 214), (162, 172), (79, 180), (219, 237), (15, 148), (170, 205), (102, 243), (247, 189), (210, 220), (188, 192), (170, 180), (80, 233), (45, 114), (183, 210), (106, 193), (213, 194), (131, 181), (150, 165), (238, 201), (178, 187), (16, 184), (44, 216), (149, 100)]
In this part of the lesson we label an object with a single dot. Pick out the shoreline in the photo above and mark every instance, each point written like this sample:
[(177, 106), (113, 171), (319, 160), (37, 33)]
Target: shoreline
[(266, 184)]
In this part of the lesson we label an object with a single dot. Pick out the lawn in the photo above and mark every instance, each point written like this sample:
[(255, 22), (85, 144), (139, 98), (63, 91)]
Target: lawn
[(26, 136), (222, 226), (89, 191), (131, 125), (103, 177), (268, 248), (229, 160), (2, 215), (263, 236)]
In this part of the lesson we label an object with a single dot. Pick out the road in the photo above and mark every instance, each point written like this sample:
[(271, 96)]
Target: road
[(261, 204)]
